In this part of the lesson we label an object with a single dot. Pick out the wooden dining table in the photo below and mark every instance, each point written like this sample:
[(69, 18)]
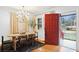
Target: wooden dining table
[(15, 36)]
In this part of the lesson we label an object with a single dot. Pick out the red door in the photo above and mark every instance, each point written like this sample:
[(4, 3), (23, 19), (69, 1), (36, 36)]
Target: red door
[(52, 29)]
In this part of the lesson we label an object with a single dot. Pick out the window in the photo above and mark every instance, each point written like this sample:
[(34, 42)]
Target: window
[(68, 24), (39, 23)]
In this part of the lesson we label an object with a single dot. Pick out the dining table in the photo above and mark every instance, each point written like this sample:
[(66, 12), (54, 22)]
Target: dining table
[(15, 36)]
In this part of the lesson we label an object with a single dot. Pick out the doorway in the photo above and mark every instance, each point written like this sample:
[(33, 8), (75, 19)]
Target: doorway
[(68, 27), (52, 29)]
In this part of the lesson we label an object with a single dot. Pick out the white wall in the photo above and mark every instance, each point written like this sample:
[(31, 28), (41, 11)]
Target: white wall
[(77, 43), (4, 22), (30, 21), (41, 32)]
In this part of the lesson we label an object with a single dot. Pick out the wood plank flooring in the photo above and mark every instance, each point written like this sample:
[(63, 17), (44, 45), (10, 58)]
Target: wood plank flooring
[(47, 48), (52, 48)]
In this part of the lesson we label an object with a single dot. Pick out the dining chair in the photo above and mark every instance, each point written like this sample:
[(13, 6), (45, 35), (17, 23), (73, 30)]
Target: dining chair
[(6, 45)]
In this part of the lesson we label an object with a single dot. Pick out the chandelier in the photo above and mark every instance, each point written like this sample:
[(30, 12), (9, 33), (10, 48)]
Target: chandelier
[(22, 12)]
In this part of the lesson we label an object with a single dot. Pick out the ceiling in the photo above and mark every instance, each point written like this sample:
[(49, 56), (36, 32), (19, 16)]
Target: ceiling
[(35, 9), (41, 9)]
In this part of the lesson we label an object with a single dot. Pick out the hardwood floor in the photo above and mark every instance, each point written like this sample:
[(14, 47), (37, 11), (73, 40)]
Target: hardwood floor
[(52, 48), (47, 48)]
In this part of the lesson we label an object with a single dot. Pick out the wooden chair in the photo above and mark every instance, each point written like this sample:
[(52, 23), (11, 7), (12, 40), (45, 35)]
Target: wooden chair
[(6, 45), (32, 39)]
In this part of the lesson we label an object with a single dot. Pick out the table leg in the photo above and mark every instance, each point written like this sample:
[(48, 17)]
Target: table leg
[(14, 43)]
